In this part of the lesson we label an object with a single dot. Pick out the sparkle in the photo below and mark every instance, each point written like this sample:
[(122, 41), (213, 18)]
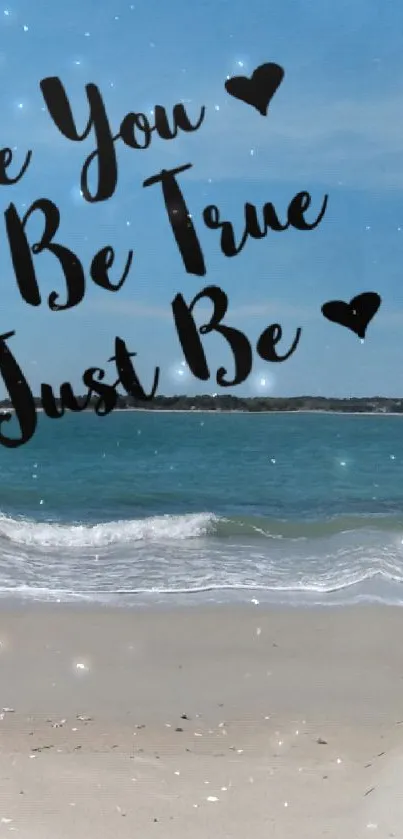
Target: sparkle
[(180, 371), (25, 28), (76, 194), (262, 383), (240, 64), (6, 13), (252, 152), (216, 107)]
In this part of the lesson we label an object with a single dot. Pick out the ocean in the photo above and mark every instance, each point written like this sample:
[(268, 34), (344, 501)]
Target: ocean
[(143, 507)]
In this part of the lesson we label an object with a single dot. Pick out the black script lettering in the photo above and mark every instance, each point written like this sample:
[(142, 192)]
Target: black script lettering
[(59, 109), (107, 393), (211, 218), (180, 120), (298, 207), (140, 121), (268, 340), (23, 262), (103, 260), (23, 401), (67, 400), (6, 156), (20, 395), (180, 219), (295, 213), (133, 123), (192, 346), (128, 127), (71, 266), (127, 375), (104, 405)]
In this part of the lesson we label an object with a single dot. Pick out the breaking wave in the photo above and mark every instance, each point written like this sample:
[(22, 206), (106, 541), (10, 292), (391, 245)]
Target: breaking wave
[(183, 527), (198, 553), (158, 528)]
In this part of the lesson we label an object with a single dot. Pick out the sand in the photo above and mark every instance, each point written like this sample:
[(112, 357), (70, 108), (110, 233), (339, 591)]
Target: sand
[(201, 722)]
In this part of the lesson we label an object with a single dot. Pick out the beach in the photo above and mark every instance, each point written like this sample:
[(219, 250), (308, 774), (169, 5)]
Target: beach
[(205, 721), (200, 620)]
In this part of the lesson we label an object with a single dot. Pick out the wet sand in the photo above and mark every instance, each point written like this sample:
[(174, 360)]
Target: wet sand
[(215, 721)]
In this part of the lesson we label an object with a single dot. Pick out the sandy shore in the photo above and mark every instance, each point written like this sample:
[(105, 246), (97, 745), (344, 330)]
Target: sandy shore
[(214, 722)]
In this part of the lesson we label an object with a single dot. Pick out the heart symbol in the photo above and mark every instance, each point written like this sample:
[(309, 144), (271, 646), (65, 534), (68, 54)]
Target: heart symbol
[(356, 314), (259, 89)]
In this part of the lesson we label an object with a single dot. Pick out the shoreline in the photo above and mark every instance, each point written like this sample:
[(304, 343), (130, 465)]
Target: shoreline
[(256, 413), (229, 411)]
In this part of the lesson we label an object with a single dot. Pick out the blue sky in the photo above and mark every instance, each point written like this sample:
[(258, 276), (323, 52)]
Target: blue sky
[(335, 126)]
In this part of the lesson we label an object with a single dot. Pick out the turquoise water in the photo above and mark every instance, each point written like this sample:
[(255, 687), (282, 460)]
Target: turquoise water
[(139, 506)]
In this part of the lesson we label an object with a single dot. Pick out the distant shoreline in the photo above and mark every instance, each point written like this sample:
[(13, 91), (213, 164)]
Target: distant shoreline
[(254, 413), (227, 404), (231, 411)]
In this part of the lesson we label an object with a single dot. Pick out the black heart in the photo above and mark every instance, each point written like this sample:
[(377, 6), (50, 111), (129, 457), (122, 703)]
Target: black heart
[(356, 314), (259, 89)]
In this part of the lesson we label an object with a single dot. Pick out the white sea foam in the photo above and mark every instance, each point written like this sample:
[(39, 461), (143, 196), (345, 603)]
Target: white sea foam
[(158, 528), (175, 556)]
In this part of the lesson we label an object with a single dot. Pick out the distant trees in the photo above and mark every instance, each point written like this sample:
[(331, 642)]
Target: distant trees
[(255, 404)]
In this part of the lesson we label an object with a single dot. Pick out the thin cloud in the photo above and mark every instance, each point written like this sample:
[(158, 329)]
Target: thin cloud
[(355, 141), (316, 138), (131, 309), (275, 309)]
